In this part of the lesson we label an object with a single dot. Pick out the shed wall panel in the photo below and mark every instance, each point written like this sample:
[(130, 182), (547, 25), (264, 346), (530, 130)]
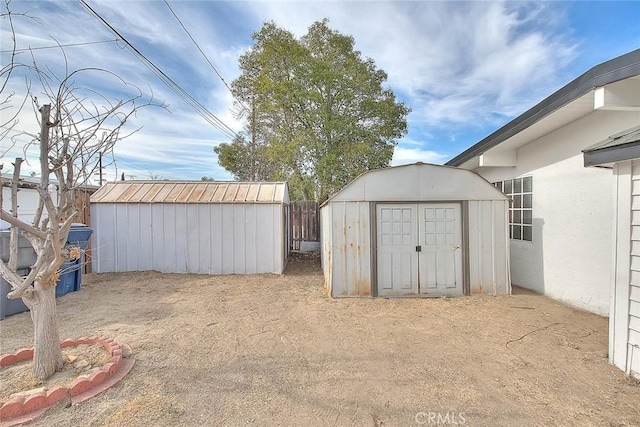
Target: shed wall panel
[(348, 248), (216, 238), (145, 242), (204, 227), (488, 247), (239, 235), (326, 249), (501, 247), (474, 259), (189, 238), (157, 237)]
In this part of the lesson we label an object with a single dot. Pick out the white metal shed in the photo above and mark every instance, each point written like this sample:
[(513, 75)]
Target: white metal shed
[(416, 230), (190, 227)]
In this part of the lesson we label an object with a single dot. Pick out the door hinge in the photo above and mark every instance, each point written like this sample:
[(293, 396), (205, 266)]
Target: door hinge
[(418, 248)]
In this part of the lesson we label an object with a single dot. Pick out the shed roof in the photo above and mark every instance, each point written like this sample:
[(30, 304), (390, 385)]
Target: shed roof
[(418, 182), (191, 192), (619, 147)]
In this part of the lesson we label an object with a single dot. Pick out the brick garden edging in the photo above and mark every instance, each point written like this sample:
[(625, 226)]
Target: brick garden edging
[(18, 410)]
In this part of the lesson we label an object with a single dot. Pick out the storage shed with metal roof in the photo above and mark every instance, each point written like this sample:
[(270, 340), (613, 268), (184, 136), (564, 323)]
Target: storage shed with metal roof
[(190, 227), (417, 230)]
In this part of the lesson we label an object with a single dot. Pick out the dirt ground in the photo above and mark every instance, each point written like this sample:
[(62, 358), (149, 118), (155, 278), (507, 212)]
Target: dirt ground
[(274, 350)]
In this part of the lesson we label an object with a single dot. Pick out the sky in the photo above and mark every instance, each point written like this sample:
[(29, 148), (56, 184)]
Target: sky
[(464, 68)]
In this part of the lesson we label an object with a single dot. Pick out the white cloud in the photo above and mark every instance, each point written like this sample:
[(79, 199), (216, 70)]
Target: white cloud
[(404, 155), (456, 64)]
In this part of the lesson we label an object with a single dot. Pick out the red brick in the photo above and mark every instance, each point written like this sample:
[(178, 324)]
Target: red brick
[(98, 377), (79, 385), (94, 339), (69, 342), (7, 359), (84, 340), (116, 360), (110, 368), (24, 354), (12, 408), (56, 394), (117, 352), (34, 402)]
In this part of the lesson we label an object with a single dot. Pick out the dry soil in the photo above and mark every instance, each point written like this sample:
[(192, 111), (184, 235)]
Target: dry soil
[(274, 350)]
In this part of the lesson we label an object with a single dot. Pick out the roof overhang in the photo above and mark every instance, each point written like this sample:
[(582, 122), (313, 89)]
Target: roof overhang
[(616, 148), (612, 85)]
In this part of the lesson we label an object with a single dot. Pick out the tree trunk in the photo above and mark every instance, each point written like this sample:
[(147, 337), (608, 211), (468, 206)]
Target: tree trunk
[(47, 357)]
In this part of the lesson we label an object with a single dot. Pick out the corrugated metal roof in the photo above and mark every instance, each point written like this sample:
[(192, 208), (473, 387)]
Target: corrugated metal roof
[(191, 192)]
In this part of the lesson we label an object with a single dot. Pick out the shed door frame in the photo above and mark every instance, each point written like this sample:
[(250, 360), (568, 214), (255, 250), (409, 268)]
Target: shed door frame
[(464, 223)]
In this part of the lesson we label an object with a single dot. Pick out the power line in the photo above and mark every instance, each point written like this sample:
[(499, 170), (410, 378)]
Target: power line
[(59, 46), (175, 87), (197, 45)]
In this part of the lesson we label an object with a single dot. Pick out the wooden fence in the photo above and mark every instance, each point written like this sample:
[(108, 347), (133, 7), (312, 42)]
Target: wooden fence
[(305, 223)]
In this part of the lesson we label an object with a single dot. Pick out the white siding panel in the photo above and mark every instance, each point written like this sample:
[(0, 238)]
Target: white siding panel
[(634, 338), (227, 239), (475, 259), (133, 243), (122, 237), (251, 251), (487, 247), (501, 247), (246, 243), (349, 250), (145, 257), (203, 228), (634, 320), (189, 238), (340, 288), (180, 224), (158, 240), (634, 294), (635, 278), (104, 243), (216, 239), (635, 248), (326, 254), (193, 238)]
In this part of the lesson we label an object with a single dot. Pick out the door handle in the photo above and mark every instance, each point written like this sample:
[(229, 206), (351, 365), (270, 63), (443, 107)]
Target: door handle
[(418, 248)]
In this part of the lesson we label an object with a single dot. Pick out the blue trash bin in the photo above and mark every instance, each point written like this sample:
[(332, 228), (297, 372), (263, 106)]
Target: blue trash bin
[(71, 271), (79, 236)]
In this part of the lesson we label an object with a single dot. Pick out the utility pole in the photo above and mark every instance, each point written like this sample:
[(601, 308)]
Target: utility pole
[(100, 167)]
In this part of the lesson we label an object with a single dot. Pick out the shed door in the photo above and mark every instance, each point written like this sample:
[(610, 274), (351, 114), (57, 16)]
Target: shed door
[(397, 260), (419, 249), (440, 265)]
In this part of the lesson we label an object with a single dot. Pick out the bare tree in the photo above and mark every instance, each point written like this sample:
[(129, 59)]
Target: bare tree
[(76, 125)]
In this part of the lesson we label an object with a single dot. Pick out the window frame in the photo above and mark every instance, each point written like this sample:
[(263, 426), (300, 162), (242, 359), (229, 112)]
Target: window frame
[(520, 193)]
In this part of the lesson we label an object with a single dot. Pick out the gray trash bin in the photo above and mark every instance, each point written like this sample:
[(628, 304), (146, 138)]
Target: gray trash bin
[(10, 306), (26, 258)]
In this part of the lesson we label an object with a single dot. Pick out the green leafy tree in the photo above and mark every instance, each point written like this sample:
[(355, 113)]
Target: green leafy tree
[(316, 113)]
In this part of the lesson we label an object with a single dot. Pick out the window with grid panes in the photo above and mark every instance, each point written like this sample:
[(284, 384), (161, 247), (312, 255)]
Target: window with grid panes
[(520, 191)]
